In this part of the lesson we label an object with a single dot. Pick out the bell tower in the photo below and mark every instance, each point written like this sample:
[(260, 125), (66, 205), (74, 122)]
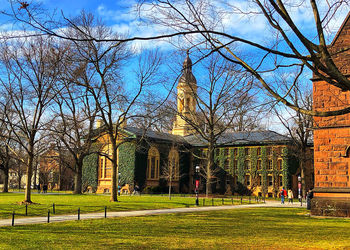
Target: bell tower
[(186, 101)]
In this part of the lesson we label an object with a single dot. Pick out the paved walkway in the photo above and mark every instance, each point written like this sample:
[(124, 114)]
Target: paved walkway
[(71, 217)]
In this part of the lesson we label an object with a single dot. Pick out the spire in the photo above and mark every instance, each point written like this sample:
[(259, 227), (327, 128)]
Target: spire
[(187, 76)]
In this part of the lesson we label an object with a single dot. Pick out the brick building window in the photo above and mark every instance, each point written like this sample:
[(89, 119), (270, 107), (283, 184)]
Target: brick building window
[(247, 180), (280, 180), (270, 180), (268, 151), (269, 164), (235, 152), (258, 151), (259, 180), (247, 165), (227, 165), (235, 164), (226, 152), (247, 151), (279, 164), (258, 165)]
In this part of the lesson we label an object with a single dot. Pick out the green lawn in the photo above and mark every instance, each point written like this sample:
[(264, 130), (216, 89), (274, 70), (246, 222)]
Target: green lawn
[(69, 203), (258, 228)]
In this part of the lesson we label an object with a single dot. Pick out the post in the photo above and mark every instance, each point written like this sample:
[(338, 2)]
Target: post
[(232, 200), (222, 201), (241, 200), (212, 201), (26, 209), (197, 184), (13, 218), (203, 202), (105, 211), (48, 216), (53, 208), (79, 213)]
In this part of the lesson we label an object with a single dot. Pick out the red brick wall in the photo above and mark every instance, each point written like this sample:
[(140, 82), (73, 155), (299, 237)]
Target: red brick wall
[(332, 134)]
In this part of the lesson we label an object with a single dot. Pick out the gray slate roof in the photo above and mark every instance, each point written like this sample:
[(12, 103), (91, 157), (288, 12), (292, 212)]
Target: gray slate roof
[(243, 138)]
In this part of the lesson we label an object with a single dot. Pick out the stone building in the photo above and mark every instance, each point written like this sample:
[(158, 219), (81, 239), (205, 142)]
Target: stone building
[(332, 136), (252, 162)]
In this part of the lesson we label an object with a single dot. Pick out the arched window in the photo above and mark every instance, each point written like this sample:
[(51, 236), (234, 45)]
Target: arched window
[(173, 164), (153, 164)]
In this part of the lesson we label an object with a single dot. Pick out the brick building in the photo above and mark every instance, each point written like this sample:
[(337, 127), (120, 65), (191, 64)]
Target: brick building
[(332, 136), (251, 162)]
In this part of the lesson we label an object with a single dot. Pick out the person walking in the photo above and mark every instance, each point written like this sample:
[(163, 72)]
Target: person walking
[(283, 194), (290, 196)]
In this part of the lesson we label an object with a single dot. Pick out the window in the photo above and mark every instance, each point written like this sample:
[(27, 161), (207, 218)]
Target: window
[(247, 151), (269, 164), (258, 151), (247, 180), (235, 163), (227, 165), (226, 152), (247, 165), (102, 166), (280, 180), (235, 152), (259, 180), (108, 169), (270, 180), (153, 164), (279, 164), (268, 151), (258, 165)]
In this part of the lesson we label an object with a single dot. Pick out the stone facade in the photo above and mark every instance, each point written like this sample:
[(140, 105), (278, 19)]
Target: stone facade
[(332, 137)]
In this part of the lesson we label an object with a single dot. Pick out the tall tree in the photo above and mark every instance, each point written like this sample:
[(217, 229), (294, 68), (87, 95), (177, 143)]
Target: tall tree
[(30, 70)]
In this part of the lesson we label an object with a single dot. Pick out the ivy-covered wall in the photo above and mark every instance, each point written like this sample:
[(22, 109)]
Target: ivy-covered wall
[(90, 171), (127, 153)]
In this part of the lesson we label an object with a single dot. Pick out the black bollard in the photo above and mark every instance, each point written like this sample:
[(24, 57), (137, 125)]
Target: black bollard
[(79, 213), (48, 216), (232, 201), (222, 201), (105, 211), (212, 201), (53, 208), (13, 218), (241, 200), (26, 209)]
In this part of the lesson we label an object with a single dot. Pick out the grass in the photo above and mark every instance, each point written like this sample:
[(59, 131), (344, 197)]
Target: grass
[(69, 203), (258, 228)]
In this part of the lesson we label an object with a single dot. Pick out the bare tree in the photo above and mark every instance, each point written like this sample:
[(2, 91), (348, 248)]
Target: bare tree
[(210, 107), (30, 71), (299, 128)]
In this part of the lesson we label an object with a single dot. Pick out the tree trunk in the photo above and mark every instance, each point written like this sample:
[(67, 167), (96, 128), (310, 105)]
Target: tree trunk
[(77, 180), (27, 193), (6, 180), (115, 176), (210, 164)]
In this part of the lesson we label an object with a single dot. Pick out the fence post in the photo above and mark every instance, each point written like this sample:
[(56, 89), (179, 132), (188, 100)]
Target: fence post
[(13, 218), (212, 201), (26, 209), (105, 211), (222, 201), (48, 216), (232, 200), (241, 200), (53, 208), (79, 213)]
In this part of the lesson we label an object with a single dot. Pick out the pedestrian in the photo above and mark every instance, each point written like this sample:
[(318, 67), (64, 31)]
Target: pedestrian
[(290, 196), (283, 194), (38, 188), (44, 188)]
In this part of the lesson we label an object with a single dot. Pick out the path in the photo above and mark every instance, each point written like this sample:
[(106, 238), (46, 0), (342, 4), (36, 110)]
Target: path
[(71, 217)]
